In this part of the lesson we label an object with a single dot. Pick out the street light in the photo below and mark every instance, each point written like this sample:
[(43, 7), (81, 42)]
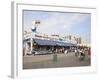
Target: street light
[(34, 30)]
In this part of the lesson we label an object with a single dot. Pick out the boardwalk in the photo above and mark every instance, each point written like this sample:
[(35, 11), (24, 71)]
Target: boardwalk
[(46, 61)]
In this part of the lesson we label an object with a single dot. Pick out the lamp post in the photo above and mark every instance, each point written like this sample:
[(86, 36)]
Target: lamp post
[(35, 24)]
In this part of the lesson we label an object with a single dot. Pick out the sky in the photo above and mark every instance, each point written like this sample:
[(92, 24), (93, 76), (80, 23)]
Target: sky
[(61, 23)]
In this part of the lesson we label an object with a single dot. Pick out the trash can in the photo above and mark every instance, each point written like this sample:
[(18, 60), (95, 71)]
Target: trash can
[(55, 58), (86, 57), (82, 57)]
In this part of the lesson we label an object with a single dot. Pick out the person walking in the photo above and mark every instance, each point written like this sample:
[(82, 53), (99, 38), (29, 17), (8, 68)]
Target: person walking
[(66, 52)]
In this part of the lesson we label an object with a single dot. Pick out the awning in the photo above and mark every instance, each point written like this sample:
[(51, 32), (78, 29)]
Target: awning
[(44, 42), (53, 43)]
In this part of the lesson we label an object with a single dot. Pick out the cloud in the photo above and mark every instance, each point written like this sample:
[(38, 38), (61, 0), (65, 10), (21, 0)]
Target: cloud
[(58, 22)]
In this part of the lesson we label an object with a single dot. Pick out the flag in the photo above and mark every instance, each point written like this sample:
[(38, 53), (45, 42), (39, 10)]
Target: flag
[(37, 22), (34, 22)]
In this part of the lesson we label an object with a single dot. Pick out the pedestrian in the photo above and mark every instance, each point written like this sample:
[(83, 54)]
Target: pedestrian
[(66, 52), (76, 52), (89, 53)]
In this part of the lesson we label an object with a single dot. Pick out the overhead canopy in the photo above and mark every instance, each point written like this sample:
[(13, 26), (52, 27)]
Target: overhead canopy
[(44, 42), (53, 43)]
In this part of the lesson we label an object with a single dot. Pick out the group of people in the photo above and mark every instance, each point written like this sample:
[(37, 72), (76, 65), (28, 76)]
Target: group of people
[(81, 53), (78, 51)]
